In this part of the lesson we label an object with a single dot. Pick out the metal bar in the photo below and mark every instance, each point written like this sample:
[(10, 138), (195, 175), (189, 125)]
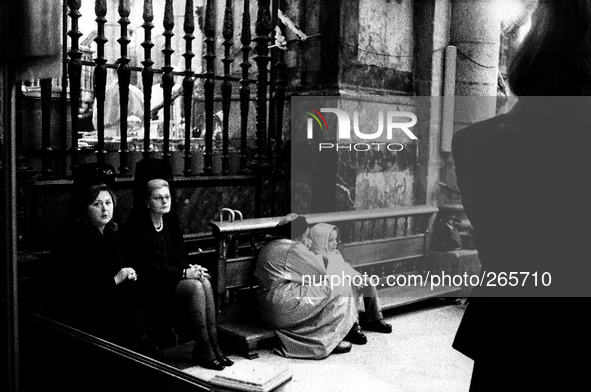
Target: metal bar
[(160, 71), (209, 85), (46, 171), (272, 80), (258, 196), (406, 226), (100, 78), (188, 81), (124, 78), (63, 167), (167, 78), (279, 101), (221, 301), (74, 72), (244, 85), (262, 30), (228, 34), (147, 72), (10, 231), (361, 236)]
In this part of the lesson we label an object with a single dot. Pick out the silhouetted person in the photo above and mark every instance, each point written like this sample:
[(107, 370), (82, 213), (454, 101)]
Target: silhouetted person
[(523, 179)]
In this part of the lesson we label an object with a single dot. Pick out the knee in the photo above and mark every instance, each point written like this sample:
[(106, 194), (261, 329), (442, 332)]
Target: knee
[(206, 284), (192, 286)]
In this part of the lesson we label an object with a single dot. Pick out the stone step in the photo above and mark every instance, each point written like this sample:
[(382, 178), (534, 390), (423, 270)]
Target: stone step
[(244, 375)]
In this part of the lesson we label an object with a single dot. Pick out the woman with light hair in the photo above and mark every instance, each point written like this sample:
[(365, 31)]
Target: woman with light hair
[(323, 237), (178, 290)]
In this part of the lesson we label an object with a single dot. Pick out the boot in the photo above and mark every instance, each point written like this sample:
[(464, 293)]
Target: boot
[(355, 335)]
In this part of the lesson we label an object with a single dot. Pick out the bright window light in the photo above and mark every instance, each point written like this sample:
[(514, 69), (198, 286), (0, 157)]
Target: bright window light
[(509, 10), (523, 30)]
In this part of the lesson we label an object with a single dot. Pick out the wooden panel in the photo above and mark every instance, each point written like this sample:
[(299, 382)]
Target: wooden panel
[(366, 252), (240, 272), (399, 265)]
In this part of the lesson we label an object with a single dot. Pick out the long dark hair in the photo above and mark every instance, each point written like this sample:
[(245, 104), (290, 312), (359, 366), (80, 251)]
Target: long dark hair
[(555, 56)]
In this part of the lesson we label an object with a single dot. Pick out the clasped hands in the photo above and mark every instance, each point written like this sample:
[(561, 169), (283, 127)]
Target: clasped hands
[(195, 271), (125, 273)]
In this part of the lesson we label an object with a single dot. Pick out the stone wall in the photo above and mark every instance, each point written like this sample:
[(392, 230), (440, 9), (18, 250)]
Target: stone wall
[(383, 51)]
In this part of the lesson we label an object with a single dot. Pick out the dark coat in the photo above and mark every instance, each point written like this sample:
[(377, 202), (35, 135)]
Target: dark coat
[(159, 258), (85, 263), (523, 177)]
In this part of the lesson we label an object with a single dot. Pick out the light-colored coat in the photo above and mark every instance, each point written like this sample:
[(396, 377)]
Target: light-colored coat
[(309, 319)]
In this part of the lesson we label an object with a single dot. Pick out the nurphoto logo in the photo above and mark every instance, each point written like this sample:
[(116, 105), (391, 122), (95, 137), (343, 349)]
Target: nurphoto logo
[(397, 122)]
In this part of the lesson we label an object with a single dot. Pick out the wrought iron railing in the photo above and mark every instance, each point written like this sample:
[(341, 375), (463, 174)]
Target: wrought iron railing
[(265, 134)]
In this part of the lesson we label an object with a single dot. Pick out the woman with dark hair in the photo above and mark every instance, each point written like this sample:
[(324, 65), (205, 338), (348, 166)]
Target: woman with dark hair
[(176, 288), (522, 176), (95, 290), (91, 262)]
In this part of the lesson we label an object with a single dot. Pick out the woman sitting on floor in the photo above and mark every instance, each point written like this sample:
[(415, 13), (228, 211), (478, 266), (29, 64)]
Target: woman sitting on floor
[(311, 320)]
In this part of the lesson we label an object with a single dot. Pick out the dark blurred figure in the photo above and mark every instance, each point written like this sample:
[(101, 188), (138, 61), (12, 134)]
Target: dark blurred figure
[(523, 179)]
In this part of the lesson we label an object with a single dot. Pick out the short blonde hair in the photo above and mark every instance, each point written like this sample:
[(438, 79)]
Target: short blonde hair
[(154, 185)]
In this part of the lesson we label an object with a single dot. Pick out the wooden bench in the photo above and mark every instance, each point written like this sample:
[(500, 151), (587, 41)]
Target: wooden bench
[(382, 242)]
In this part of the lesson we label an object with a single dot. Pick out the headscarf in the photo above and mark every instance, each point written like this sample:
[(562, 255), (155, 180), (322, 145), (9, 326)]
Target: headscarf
[(319, 235), (337, 265)]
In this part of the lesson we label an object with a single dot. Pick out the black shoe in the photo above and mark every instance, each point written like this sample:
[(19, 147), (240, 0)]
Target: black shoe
[(342, 347), (213, 364), (355, 335), (377, 326), (226, 361)]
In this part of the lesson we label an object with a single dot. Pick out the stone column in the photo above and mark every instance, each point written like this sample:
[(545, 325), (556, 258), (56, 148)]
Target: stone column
[(476, 32), (431, 30)]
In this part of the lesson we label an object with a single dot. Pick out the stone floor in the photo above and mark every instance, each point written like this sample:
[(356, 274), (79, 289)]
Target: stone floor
[(416, 356)]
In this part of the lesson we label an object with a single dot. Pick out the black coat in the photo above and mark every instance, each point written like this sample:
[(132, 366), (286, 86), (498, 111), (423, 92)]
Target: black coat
[(159, 258), (85, 263), (523, 179)]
